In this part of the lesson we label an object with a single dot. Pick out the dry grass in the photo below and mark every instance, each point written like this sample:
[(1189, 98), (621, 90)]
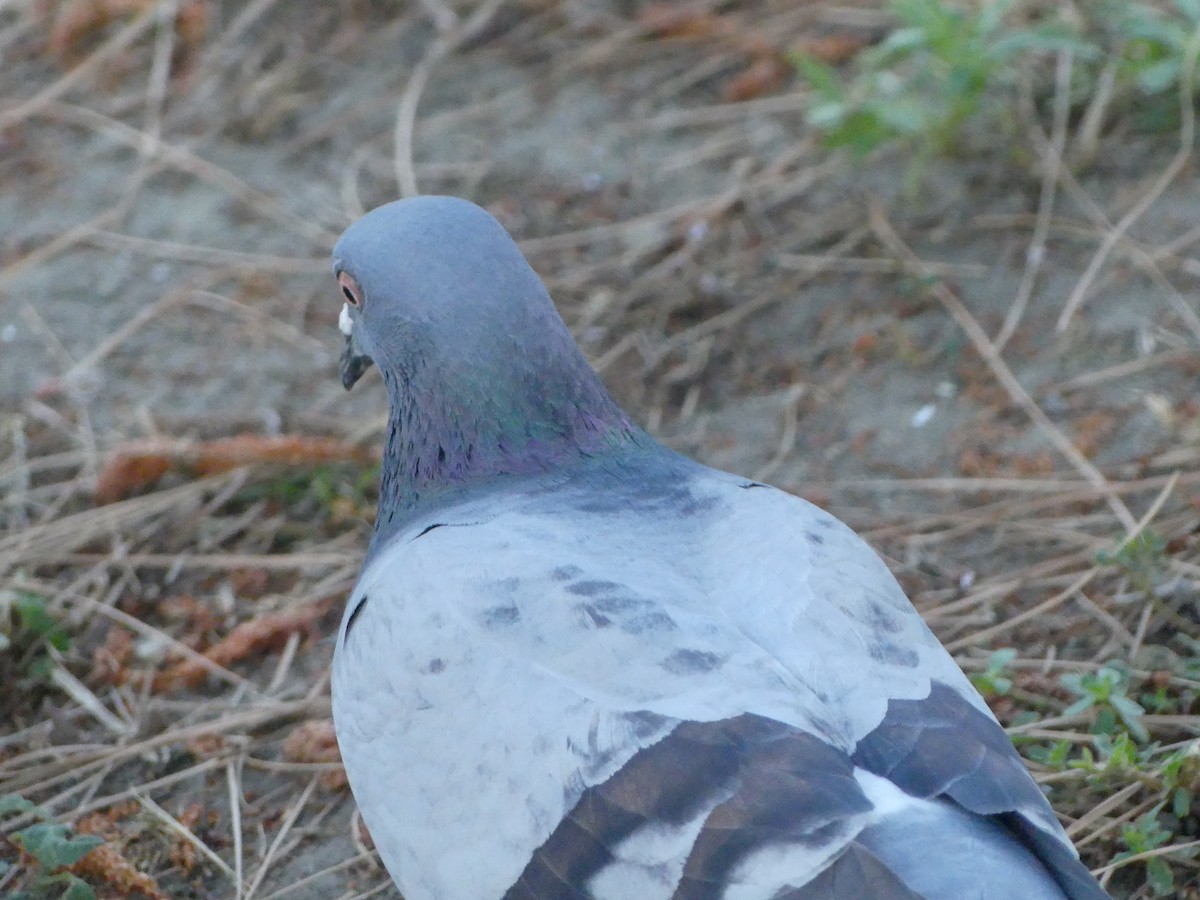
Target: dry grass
[(191, 561)]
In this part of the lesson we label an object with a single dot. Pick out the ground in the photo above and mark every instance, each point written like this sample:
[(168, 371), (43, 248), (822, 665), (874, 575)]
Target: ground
[(983, 360)]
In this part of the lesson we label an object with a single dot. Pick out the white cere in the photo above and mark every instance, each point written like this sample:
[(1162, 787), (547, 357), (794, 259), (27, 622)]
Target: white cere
[(345, 323)]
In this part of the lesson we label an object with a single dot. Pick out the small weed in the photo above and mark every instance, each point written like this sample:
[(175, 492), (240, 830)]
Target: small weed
[(1144, 834), (1056, 756), (1161, 702), (1105, 691), (1172, 778), (948, 63), (1181, 778), (333, 490), (28, 631), (48, 849), (1150, 47), (930, 76), (1142, 558), (1118, 753), (994, 680)]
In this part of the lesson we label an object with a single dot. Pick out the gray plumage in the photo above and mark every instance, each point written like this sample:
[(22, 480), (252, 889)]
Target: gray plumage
[(579, 665)]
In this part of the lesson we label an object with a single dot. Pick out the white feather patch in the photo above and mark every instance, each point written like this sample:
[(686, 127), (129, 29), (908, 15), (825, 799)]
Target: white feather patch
[(888, 799)]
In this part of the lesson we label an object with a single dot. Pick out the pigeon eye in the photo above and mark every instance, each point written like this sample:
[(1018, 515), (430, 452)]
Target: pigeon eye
[(350, 289)]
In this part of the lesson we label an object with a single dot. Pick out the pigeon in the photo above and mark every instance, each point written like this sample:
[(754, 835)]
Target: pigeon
[(577, 664)]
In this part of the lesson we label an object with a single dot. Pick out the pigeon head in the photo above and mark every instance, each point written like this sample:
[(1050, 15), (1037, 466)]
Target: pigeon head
[(482, 374)]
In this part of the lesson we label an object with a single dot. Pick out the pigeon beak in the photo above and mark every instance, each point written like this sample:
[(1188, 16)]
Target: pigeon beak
[(353, 362)]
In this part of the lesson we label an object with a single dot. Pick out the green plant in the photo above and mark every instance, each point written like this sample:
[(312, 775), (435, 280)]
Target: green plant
[(1156, 42), (1108, 755), (1056, 756), (1106, 691), (994, 681), (1142, 835), (50, 848), (1151, 52), (28, 631), (927, 78), (1180, 773), (1170, 778), (950, 61), (1142, 558), (323, 486), (1160, 702)]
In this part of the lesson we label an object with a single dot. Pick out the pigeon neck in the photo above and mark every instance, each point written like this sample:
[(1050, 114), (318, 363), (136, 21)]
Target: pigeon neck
[(436, 447)]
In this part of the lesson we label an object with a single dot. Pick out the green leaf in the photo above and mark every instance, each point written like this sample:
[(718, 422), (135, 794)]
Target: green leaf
[(34, 620), (1079, 706), (827, 116), (1055, 755), (1105, 722), (1158, 873), (1181, 805), (1002, 657), (40, 668), (52, 846), (1073, 683), (15, 803), (32, 615), (822, 77), (1086, 761), (903, 116), (78, 889), (59, 640), (901, 41), (1159, 77), (991, 16), (1131, 714)]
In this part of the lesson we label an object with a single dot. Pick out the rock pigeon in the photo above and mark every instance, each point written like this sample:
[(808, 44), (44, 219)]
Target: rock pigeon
[(579, 665)]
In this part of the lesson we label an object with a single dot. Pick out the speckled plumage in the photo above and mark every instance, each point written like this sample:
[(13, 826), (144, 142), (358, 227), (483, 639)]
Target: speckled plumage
[(578, 665)]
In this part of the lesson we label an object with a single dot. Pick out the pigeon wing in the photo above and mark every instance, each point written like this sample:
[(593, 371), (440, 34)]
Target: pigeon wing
[(553, 695)]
